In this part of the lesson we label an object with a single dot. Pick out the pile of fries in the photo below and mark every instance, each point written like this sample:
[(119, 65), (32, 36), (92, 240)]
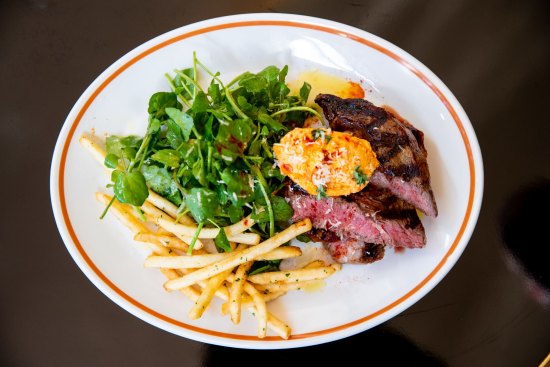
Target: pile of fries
[(203, 274)]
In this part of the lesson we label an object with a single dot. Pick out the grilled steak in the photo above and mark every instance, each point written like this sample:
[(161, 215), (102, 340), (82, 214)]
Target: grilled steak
[(356, 228), (399, 147), (355, 251)]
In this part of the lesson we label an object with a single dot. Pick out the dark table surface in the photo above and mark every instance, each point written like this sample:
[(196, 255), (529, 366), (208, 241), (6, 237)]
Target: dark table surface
[(492, 309)]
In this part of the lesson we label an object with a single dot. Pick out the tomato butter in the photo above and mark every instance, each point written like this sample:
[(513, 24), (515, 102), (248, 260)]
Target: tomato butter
[(325, 162)]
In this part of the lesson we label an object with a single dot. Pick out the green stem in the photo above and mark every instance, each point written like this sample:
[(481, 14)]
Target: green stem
[(194, 239), (173, 86), (266, 148), (195, 75), (214, 76), (192, 81), (297, 108), (139, 213), (197, 135), (209, 159), (234, 105), (139, 155), (107, 207), (264, 188), (236, 79)]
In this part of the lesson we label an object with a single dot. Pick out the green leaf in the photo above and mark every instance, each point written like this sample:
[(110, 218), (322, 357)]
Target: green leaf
[(269, 170), (215, 93), (160, 101), (208, 133), (221, 241), (232, 139), (270, 74), (281, 209), (111, 160), (304, 92), (270, 122), (303, 238), (130, 188), (244, 105), (168, 157), (198, 172), (173, 134), (154, 125), (253, 83), (189, 150), (283, 73), (183, 120), (239, 184), (280, 91), (260, 213), (161, 181), (200, 103), (254, 148), (202, 203), (131, 141), (124, 147), (180, 82), (242, 130), (264, 266), (235, 213)]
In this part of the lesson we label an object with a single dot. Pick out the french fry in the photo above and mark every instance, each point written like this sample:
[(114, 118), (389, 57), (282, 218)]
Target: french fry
[(94, 146), (260, 307), (292, 276), (282, 329), (247, 302), (186, 239), (283, 286), (184, 231), (168, 207), (283, 252), (241, 257), (156, 229), (123, 212), (190, 292), (202, 260), (315, 264), (164, 240), (207, 294), (236, 290), (279, 327), (168, 241), (245, 238), (193, 294)]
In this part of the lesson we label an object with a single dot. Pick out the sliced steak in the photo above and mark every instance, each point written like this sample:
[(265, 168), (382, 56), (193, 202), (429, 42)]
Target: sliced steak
[(355, 251), (399, 147), (347, 251), (356, 228)]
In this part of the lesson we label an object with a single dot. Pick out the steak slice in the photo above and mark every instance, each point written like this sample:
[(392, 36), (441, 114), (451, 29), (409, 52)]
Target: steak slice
[(355, 251), (398, 145), (356, 228)]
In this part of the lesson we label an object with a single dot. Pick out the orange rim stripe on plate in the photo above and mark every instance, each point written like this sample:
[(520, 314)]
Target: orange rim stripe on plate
[(197, 32)]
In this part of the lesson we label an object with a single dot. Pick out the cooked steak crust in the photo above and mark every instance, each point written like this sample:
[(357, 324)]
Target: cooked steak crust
[(399, 147), (356, 228)]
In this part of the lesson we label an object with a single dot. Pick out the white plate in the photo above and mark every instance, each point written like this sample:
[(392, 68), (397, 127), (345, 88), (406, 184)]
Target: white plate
[(353, 300)]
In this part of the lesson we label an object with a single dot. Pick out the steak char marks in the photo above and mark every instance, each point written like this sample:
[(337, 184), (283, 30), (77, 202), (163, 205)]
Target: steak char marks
[(398, 145), (356, 228)]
